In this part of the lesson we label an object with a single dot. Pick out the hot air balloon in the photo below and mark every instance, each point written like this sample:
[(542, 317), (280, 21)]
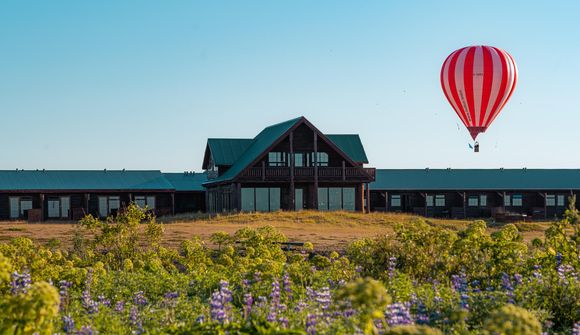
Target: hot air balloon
[(478, 81)]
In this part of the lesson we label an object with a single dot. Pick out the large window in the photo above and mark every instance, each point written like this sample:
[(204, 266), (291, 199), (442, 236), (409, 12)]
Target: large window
[(550, 200), (561, 200), (429, 200), (395, 200), (145, 201), (483, 200), (507, 200), (336, 198), (299, 159), (58, 207), (440, 200), (277, 159), (517, 200), (473, 201), (19, 206), (109, 205), (260, 199)]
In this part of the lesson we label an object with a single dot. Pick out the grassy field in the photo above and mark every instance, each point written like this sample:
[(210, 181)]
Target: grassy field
[(326, 230)]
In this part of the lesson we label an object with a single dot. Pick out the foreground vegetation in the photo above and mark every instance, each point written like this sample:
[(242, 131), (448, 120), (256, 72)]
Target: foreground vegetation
[(420, 279)]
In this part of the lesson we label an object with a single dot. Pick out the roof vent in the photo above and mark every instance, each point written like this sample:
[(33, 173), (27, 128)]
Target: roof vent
[(448, 169), (104, 170), (501, 169), (525, 168), (123, 169), (427, 169)]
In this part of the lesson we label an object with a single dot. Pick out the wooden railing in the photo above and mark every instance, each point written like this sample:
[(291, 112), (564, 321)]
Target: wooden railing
[(308, 173)]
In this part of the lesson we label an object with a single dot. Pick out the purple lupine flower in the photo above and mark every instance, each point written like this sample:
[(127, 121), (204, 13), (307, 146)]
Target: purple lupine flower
[(518, 279), (300, 306), (274, 301), (283, 321), (220, 303), (86, 330), (311, 321), (422, 316), (576, 329), (392, 266), (91, 306), (475, 287), (139, 298), (358, 269), (171, 295), (64, 286), (246, 283), (459, 283), (558, 259), (398, 314), (323, 298), (20, 282), (537, 274), (507, 286), (257, 276), (248, 302), (68, 324), (104, 301), (135, 320), (287, 283), (200, 319), (120, 306)]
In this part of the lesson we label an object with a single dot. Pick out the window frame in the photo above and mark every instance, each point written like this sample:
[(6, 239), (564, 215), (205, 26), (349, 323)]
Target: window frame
[(440, 200), (277, 159)]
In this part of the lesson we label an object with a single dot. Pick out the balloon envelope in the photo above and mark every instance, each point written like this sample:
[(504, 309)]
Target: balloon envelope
[(478, 81)]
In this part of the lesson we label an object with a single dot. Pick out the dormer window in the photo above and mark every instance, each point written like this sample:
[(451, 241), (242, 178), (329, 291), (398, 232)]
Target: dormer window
[(277, 159)]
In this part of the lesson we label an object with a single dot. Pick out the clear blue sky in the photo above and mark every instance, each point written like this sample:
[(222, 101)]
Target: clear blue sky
[(143, 84)]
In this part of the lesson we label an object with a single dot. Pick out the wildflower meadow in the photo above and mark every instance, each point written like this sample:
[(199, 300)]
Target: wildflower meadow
[(422, 279)]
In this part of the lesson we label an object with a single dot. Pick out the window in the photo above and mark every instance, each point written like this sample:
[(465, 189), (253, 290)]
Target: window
[(395, 201), (550, 200), (561, 201), (517, 200), (429, 201), (276, 159), (58, 207), (299, 159), (336, 198), (440, 200), (473, 201), (109, 205), (145, 201), (483, 200), (348, 198), (261, 199), (321, 158), (14, 207), (507, 200)]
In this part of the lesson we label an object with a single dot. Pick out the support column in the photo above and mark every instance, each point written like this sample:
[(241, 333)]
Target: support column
[(359, 198), (172, 203), (386, 201), (292, 205), (239, 197), (464, 206), (368, 197), (41, 207), (315, 161), (546, 206), (87, 197)]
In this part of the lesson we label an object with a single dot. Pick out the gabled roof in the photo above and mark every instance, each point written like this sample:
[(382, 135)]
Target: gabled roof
[(259, 144), (351, 145), (476, 179), (189, 181), (225, 151), (56, 180)]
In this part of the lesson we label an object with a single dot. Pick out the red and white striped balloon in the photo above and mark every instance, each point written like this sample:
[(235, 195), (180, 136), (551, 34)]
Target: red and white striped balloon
[(478, 81)]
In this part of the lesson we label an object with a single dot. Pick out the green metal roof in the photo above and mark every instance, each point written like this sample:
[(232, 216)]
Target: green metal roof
[(188, 181), (351, 145), (82, 180), (259, 144), (476, 179), (225, 151)]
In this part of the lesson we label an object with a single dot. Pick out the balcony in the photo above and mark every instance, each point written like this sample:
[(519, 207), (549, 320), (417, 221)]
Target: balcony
[(358, 174)]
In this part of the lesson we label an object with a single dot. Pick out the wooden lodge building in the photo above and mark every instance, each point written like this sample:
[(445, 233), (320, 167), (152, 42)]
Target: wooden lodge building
[(289, 166)]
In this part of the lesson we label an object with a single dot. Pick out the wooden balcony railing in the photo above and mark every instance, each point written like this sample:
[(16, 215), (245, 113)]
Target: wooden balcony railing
[(307, 174)]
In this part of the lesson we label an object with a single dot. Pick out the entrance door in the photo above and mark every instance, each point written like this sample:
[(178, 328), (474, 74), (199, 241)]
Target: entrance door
[(299, 199)]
